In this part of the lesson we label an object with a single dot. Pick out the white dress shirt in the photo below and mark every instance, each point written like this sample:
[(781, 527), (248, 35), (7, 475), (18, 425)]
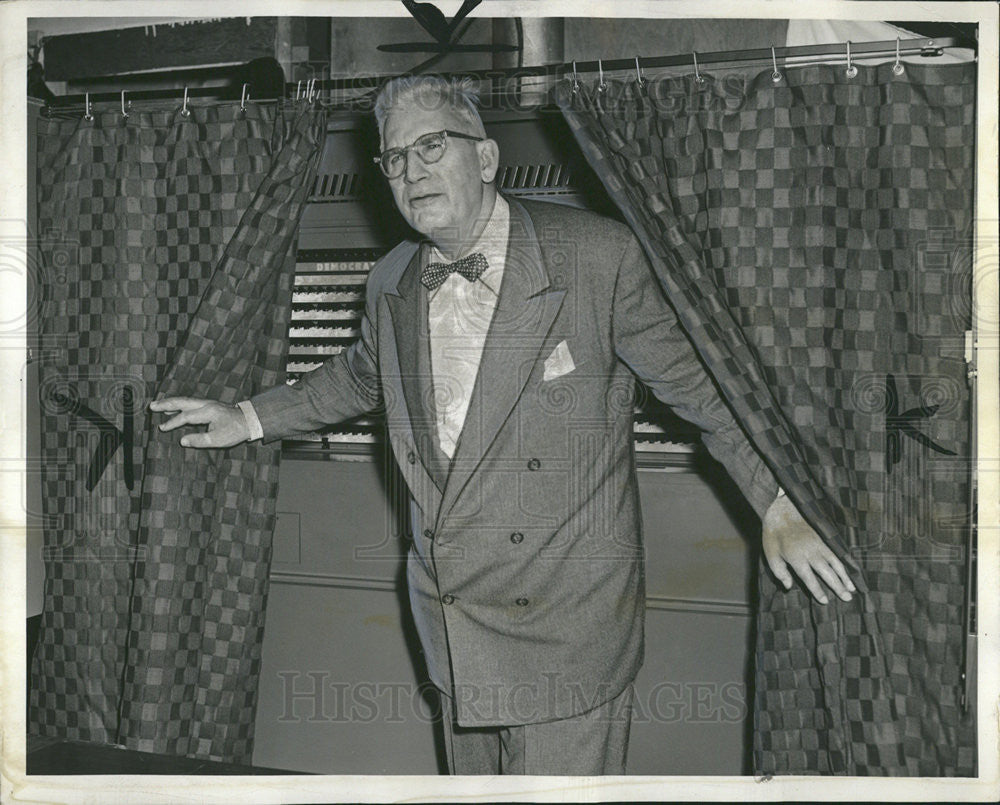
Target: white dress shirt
[(459, 316)]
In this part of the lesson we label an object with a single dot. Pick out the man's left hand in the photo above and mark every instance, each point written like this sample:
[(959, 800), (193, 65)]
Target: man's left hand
[(789, 541)]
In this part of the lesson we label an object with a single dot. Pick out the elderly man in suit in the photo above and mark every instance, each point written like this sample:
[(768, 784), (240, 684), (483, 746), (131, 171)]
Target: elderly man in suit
[(503, 346)]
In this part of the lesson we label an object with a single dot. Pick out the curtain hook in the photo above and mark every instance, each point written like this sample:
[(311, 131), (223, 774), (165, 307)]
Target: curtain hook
[(310, 89), (86, 107), (601, 86), (243, 99), (697, 75), (851, 69), (897, 68), (638, 73), (775, 76), (124, 113), (298, 90), (576, 79), (185, 112)]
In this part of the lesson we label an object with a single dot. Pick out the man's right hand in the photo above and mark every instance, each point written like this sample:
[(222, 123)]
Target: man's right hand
[(226, 424)]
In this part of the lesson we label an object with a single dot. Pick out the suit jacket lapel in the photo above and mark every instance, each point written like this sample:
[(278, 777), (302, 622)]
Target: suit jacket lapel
[(527, 306), (408, 308)]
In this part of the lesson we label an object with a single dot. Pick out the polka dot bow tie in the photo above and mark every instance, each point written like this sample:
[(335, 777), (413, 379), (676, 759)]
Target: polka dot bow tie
[(471, 267)]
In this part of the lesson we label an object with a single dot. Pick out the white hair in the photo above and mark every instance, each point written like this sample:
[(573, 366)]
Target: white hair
[(430, 92)]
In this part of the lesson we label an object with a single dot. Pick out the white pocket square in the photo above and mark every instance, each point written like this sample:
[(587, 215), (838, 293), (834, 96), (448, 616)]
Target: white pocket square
[(560, 362)]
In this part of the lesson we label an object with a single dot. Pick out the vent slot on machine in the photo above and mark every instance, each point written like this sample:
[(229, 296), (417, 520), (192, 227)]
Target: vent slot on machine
[(351, 221)]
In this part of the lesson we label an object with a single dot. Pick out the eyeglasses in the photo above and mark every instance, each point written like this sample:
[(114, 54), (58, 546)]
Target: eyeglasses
[(429, 147)]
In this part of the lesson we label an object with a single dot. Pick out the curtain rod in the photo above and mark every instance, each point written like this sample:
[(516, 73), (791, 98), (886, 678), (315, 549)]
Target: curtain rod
[(927, 47), (924, 46)]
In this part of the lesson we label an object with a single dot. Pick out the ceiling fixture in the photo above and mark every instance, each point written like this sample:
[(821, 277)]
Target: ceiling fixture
[(434, 22)]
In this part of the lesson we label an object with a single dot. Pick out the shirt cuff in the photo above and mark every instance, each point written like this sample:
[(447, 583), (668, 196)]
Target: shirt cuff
[(253, 422)]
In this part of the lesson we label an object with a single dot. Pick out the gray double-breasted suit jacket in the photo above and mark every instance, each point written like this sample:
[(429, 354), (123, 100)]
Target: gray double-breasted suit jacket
[(526, 567)]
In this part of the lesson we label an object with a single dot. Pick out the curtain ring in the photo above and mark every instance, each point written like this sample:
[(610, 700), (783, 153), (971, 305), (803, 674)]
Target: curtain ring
[(897, 68), (185, 112), (697, 75), (87, 115), (638, 73), (851, 69), (124, 113), (576, 79), (243, 99), (601, 86), (775, 76)]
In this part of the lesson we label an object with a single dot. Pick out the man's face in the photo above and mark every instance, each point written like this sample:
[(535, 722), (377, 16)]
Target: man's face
[(444, 199)]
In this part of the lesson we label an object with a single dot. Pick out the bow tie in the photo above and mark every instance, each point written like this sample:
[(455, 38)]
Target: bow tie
[(471, 267)]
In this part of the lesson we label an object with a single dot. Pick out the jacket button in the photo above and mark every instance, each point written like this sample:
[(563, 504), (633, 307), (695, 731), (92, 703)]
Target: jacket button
[(447, 598), (534, 464), (522, 602), (428, 533), (517, 537), (411, 457)]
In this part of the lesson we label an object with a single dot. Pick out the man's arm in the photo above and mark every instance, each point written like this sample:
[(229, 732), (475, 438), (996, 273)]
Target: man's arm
[(227, 425), (649, 339), (343, 387), (330, 394), (788, 541)]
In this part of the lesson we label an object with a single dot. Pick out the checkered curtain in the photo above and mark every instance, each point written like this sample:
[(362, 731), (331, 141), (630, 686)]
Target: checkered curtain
[(165, 269), (813, 234)]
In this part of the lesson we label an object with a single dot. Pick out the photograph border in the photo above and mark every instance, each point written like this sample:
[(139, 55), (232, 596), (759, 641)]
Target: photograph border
[(353, 788)]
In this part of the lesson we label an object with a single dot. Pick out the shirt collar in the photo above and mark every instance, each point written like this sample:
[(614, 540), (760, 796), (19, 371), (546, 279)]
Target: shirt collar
[(492, 242)]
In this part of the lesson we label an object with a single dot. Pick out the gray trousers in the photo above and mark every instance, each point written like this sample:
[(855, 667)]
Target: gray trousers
[(593, 743)]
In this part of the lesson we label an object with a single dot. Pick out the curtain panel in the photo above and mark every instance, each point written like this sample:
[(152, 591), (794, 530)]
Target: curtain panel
[(166, 268), (813, 233)]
